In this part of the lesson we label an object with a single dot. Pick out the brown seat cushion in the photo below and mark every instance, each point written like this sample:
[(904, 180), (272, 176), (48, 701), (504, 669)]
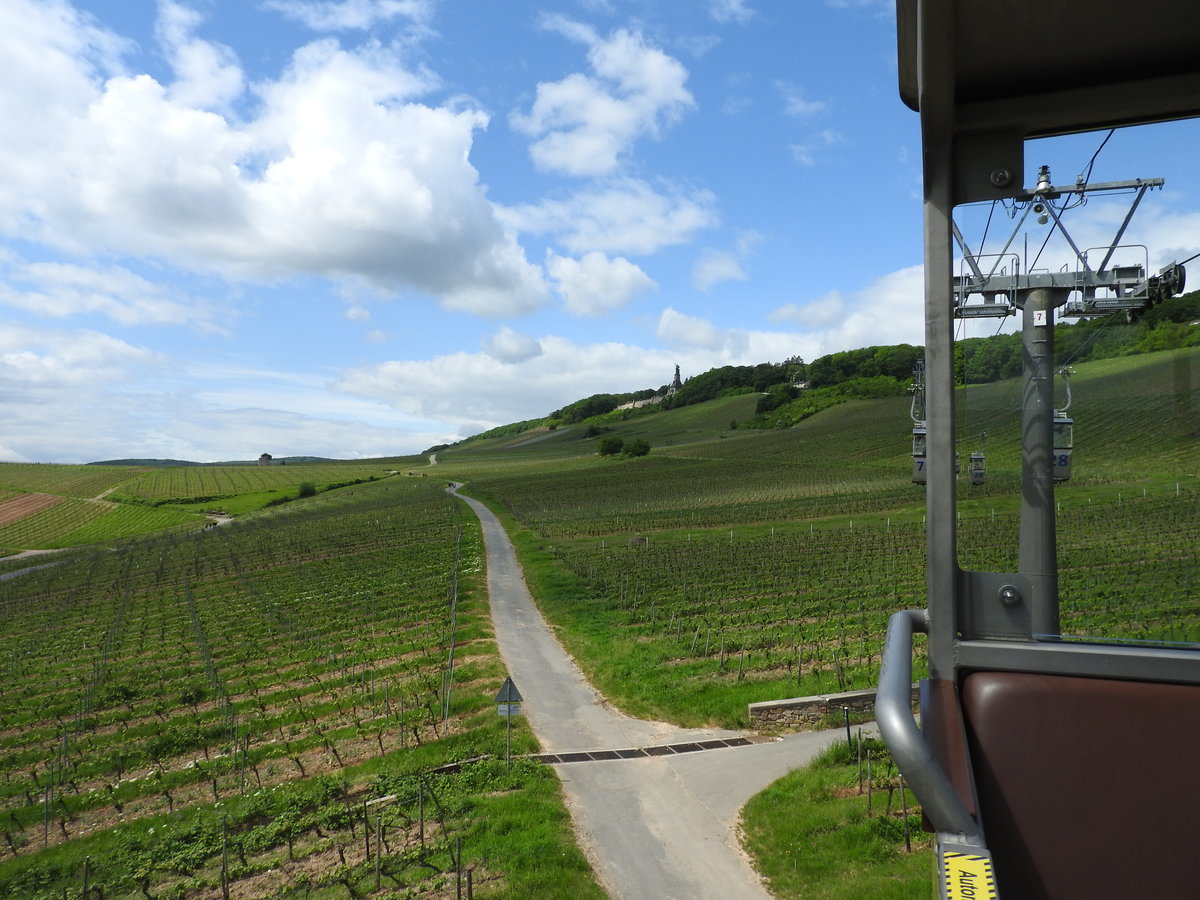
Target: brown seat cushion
[(1087, 788)]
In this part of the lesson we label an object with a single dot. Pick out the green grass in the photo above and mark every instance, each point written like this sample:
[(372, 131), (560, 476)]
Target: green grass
[(811, 836), (71, 523), (183, 484), (771, 561), (316, 633), (67, 481)]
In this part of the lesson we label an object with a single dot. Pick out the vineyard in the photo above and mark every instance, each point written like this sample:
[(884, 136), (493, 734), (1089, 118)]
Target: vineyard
[(202, 483), (66, 481), (298, 704), (761, 565), (71, 523), (269, 706), (54, 506)]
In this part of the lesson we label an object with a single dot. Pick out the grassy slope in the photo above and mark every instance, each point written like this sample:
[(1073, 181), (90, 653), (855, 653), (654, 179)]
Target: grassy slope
[(1135, 430), (121, 669), (572, 514), (112, 502)]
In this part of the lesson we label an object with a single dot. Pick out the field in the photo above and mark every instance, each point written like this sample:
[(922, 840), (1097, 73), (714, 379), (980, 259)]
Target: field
[(254, 692), (100, 503), (224, 707), (761, 565)]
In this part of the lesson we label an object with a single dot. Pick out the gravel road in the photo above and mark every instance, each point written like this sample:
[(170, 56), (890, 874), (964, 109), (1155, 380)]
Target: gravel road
[(662, 827)]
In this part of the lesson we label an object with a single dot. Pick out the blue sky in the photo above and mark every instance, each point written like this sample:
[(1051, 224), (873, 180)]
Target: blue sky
[(356, 228)]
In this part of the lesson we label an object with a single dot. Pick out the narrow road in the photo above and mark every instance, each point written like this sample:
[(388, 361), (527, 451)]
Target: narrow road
[(662, 827)]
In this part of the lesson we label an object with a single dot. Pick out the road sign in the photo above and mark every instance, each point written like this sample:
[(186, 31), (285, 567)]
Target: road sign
[(508, 693), (508, 704)]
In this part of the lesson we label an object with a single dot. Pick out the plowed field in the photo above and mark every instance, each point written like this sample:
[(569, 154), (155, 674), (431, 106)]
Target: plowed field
[(26, 505)]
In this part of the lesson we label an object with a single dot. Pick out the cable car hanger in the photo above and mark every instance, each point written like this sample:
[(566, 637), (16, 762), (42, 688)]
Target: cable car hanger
[(1124, 287)]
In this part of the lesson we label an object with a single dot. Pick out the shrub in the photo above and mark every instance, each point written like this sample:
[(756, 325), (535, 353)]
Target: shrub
[(307, 489), (610, 445), (636, 447)]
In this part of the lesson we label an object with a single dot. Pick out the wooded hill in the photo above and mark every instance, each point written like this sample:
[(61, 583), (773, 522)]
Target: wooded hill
[(794, 389)]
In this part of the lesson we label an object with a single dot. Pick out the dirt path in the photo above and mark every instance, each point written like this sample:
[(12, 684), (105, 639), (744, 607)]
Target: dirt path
[(659, 827)]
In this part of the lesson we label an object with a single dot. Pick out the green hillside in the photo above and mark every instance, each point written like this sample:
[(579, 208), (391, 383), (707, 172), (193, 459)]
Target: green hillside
[(772, 559), (211, 712), (270, 675)]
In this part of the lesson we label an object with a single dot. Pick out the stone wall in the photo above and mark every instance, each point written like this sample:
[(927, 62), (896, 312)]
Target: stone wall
[(811, 712)]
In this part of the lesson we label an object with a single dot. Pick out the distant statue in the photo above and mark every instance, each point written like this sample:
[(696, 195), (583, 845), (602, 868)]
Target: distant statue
[(265, 459), (677, 383)]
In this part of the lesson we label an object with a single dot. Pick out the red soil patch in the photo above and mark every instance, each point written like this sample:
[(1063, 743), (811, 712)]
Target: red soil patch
[(20, 507)]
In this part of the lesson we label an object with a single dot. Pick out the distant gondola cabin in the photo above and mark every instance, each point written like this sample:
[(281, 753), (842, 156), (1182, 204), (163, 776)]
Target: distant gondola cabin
[(918, 454), (1064, 443)]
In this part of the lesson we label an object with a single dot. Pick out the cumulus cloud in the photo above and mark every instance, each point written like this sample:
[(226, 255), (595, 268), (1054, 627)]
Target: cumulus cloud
[(61, 290), (38, 363), (596, 284), (794, 101), (715, 266), (477, 391), (811, 151), (621, 215), (508, 346), (583, 124), (726, 11), (342, 173), (345, 15), (890, 310), (207, 75), (707, 345)]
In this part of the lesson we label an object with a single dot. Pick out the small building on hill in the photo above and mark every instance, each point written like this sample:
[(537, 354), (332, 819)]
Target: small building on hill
[(265, 459)]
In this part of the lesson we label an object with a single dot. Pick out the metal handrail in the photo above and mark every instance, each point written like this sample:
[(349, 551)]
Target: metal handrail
[(898, 725)]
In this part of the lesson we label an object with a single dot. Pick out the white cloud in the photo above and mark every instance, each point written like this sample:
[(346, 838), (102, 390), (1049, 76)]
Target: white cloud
[(584, 124), (624, 215), (358, 314), (708, 346), (809, 153), (342, 174), (60, 290), (476, 391), (37, 364), (715, 266), (344, 15), (890, 310), (725, 11), (1168, 236), (596, 284), (508, 346), (207, 75), (794, 101), (689, 331)]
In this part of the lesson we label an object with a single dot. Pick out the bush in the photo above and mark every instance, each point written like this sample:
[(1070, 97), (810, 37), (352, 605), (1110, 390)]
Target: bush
[(610, 446), (636, 447), (307, 489)]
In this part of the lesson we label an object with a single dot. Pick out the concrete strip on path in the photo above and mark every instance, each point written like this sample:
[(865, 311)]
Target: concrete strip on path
[(662, 827)]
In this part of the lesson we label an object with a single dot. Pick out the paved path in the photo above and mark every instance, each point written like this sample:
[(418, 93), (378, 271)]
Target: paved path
[(663, 827)]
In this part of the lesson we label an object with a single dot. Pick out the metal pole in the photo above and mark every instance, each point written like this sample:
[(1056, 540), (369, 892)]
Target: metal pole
[(378, 849), (936, 92), (1038, 552), (508, 739)]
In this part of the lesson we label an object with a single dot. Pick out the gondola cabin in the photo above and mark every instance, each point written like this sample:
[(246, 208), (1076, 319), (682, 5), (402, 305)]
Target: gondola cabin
[(918, 454), (977, 468), (1064, 442)]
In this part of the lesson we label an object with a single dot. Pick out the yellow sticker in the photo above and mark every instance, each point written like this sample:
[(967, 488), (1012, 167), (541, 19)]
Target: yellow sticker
[(968, 877)]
